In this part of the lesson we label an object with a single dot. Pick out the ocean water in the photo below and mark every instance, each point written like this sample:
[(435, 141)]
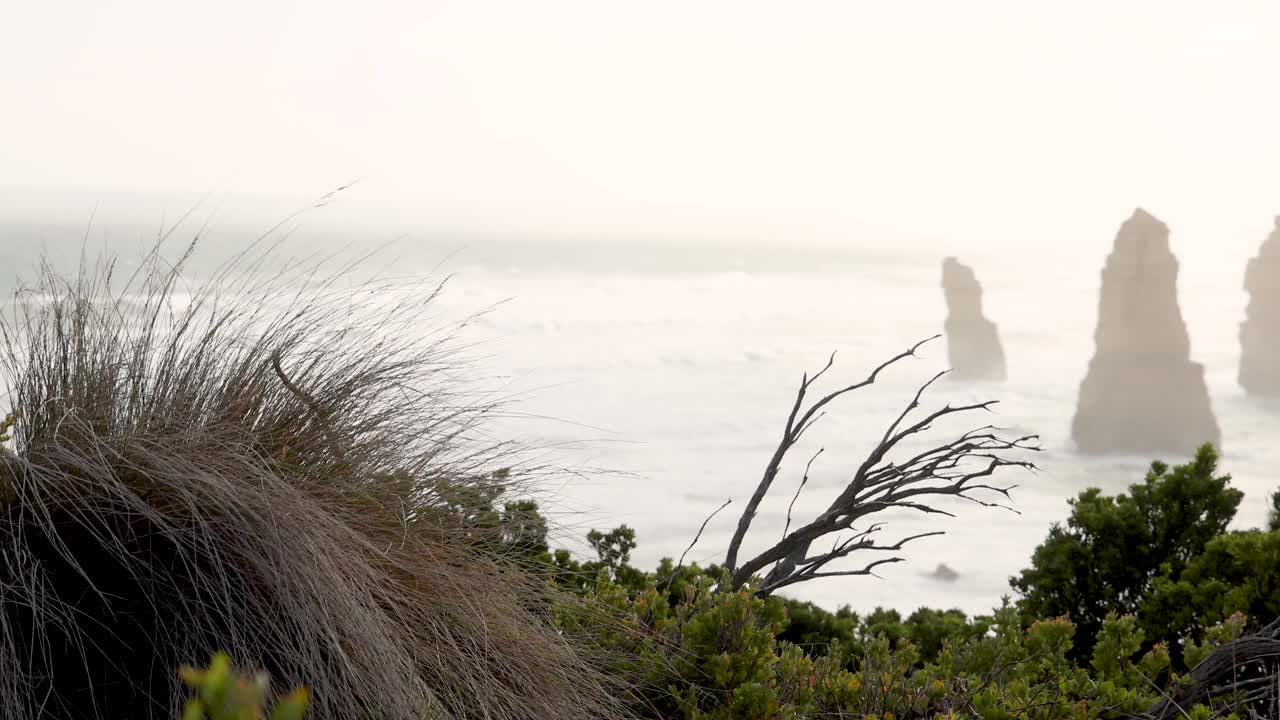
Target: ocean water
[(666, 373), (684, 381)]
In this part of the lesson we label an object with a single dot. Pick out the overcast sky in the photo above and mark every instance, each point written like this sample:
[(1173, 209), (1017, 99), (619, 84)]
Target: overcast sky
[(1008, 122)]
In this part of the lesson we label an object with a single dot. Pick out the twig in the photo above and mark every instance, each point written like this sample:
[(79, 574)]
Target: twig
[(795, 497), (699, 535)]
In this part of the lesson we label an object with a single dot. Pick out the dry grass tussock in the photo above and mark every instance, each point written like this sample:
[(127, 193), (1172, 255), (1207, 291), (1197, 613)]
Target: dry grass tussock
[(261, 469)]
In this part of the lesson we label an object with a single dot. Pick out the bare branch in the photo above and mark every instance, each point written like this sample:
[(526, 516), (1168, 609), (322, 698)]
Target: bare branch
[(791, 434), (959, 468), (870, 379), (865, 570), (699, 535), (795, 497), (831, 361), (809, 569), (1236, 667)]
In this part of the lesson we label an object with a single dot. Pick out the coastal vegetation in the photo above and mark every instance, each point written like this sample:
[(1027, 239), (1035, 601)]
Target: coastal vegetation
[(290, 482)]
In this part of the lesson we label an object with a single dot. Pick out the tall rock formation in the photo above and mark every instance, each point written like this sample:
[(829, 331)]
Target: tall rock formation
[(973, 342), (1142, 393), (1260, 331)]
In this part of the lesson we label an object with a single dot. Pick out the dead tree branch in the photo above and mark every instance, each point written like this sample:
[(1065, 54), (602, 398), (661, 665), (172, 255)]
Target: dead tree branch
[(700, 530), (804, 480), (956, 468), (1248, 668)]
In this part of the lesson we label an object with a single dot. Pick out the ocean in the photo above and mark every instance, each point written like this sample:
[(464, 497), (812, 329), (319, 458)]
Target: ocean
[(665, 372)]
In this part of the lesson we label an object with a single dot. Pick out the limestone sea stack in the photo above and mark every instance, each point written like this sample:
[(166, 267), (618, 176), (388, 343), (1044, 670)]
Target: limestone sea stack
[(1142, 393), (1260, 331), (973, 341)]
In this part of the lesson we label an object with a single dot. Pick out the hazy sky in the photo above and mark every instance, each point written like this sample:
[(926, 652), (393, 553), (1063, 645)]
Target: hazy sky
[(1012, 122)]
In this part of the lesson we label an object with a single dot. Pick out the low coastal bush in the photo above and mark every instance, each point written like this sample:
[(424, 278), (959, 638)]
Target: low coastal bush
[(700, 649), (305, 492)]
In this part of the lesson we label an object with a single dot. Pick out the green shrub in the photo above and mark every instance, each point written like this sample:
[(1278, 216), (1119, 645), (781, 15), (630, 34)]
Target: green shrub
[(222, 694), (1238, 572), (1108, 556), (699, 651), (717, 654)]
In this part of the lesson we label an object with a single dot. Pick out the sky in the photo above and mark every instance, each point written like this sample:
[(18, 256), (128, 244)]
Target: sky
[(1005, 123)]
